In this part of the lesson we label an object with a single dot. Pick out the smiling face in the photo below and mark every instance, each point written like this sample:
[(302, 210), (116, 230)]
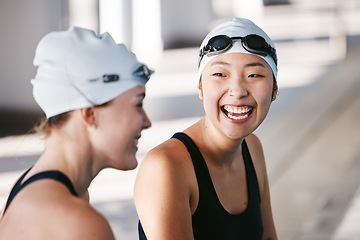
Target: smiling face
[(118, 129), (236, 90)]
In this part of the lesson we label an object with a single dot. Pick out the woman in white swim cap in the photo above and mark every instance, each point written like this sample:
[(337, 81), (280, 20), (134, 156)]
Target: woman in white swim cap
[(91, 91), (210, 181)]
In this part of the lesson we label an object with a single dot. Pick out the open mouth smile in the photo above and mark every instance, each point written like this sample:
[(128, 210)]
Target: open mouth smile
[(237, 113), (136, 141)]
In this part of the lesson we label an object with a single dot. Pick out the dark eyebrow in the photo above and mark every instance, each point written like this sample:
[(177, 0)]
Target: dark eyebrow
[(255, 64), (219, 63)]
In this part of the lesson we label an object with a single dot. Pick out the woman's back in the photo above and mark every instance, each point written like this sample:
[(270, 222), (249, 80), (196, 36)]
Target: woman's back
[(46, 209)]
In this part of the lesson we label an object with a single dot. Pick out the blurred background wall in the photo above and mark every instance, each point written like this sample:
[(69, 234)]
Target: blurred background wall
[(145, 26), (22, 24), (148, 27)]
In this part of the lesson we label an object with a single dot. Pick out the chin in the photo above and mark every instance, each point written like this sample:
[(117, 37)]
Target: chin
[(237, 137), (132, 164), (127, 164), (128, 168), (133, 167), (236, 134)]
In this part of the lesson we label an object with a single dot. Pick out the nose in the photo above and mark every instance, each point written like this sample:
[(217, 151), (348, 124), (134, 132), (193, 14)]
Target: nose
[(146, 121), (237, 89)]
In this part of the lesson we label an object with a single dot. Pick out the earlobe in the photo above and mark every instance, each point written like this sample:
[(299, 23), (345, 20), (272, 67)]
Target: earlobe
[(274, 92)]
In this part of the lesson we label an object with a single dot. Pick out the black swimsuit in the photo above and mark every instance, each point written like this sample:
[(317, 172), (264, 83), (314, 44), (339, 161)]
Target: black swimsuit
[(211, 220), (56, 175)]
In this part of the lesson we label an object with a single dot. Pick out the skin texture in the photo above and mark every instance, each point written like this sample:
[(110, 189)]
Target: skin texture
[(166, 191), (90, 140)]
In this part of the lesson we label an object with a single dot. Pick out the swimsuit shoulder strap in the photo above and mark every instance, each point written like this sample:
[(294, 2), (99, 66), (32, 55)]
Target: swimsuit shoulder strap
[(55, 175)]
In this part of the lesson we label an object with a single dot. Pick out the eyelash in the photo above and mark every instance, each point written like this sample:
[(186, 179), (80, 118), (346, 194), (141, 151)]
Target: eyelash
[(255, 75), (251, 75), (219, 74)]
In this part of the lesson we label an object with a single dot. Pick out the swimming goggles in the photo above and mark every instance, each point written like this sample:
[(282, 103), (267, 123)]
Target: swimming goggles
[(252, 43), (142, 73)]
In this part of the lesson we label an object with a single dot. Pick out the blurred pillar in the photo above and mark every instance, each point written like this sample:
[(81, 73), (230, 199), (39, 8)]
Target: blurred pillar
[(253, 10), (84, 13), (337, 41), (116, 18), (185, 23), (147, 43)]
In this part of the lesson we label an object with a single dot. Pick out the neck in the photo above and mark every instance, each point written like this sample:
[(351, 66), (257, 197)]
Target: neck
[(64, 153), (217, 147)]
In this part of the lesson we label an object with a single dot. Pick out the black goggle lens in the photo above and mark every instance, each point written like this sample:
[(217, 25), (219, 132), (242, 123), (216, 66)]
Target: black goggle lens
[(219, 43), (257, 43)]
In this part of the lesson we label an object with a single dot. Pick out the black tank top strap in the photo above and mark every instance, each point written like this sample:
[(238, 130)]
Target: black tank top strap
[(15, 190), (201, 169), (250, 170), (55, 175), (198, 160)]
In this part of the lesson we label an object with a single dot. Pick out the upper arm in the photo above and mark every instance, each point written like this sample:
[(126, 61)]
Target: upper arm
[(257, 155), (162, 196)]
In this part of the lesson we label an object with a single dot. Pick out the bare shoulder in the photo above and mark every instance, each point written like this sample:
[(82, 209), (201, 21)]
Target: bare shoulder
[(47, 210), (256, 149), (254, 142), (169, 163), (257, 156), (169, 148), (164, 191), (166, 156), (84, 222)]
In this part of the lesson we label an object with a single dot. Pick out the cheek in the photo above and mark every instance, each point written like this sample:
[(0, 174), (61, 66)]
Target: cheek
[(212, 91), (112, 128), (111, 137), (263, 97), (210, 98)]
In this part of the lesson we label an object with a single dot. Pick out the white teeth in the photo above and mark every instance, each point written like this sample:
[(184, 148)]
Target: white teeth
[(238, 117), (237, 110), (231, 111)]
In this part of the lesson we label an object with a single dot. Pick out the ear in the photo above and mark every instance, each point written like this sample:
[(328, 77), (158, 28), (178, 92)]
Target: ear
[(89, 116), (275, 91), (201, 96)]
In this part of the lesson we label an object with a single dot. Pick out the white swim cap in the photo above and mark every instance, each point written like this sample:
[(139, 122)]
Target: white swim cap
[(79, 69), (238, 27)]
